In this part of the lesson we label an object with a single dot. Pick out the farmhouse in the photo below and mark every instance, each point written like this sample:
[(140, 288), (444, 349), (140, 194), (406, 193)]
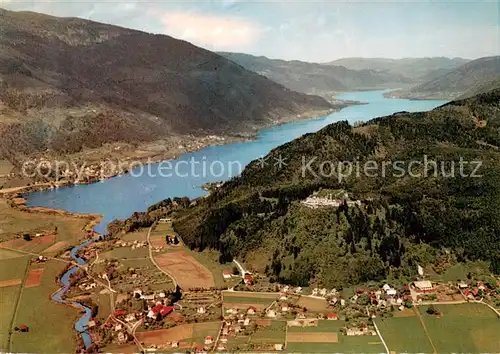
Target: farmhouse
[(424, 286), (271, 313), (251, 310), (332, 316), (227, 274), (209, 340)]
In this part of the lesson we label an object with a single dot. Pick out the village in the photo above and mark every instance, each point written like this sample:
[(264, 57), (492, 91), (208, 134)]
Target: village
[(142, 307)]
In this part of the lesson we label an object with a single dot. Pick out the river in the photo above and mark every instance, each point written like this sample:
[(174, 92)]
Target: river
[(119, 197)]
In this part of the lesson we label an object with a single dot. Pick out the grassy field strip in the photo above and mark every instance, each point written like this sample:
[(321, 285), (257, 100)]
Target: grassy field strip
[(16, 308), (425, 329), (381, 338)]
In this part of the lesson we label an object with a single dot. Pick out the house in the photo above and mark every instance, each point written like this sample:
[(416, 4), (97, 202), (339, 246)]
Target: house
[(315, 292), (386, 287), (118, 327), (475, 292), (223, 339), (119, 313), (323, 292), (283, 297), (391, 292), (91, 324), (130, 317), (271, 313), (298, 290), (209, 340), (251, 310), (246, 322), (162, 310), (225, 331), (424, 286), (175, 345), (284, 307), (373, 315), (227, 274), (232, 311), (148, 297), (221, 347), (481, 286), (200, 349), (248, 279), (342, 302), (332, 316), (121, 337), (162, 294), (462, 285), (23, 328), (278, 347), (201, 310)]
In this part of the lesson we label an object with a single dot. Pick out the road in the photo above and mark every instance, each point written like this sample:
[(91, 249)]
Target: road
[(240, 267), (150, 246)]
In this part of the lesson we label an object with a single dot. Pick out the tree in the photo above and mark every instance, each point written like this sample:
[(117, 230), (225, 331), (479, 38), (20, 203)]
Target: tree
[(27, 237), (236, 270), (431, 310)]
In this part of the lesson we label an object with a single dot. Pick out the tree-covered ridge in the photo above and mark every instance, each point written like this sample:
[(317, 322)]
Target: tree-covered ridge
[(402, 220)]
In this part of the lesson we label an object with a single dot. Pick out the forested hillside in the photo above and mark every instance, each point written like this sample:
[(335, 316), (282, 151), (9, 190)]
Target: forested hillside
[(401, 220), (69, 83)]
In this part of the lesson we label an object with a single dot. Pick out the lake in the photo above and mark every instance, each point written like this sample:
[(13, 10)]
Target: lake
[(119, 197)]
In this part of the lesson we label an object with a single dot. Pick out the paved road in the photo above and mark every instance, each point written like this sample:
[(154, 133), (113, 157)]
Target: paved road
[(150, 246)]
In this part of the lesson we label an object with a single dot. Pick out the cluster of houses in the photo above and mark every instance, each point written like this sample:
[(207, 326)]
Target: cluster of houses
[(132, 244), (330, 200), (473, 292)]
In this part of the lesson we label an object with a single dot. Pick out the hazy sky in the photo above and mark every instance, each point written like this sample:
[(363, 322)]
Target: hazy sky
[(306, 30)]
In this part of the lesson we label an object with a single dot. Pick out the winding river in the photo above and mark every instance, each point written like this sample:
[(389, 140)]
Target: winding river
[(119, 197)]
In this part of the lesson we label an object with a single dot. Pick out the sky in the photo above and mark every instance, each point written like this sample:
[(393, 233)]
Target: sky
[(316, 31)]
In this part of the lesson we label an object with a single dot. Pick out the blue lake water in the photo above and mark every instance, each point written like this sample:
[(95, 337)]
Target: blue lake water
[(119, 197)]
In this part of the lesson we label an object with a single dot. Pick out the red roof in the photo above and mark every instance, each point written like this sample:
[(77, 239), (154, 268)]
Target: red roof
[(162, 309), (475, 292), (331, 315), (209, 337), (199, 348), (466, 292), (120, 313), (227, 272), (252, 308)]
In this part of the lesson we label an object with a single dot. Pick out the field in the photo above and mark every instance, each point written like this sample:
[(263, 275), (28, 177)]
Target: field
[(34, 278), (326, 338), (15, 222), (313, 304), (267, 334), (125, 253), (404, 334), (470, 328), (191, 334), (242, 300), (188, 272), (8, 297), (50, 324)]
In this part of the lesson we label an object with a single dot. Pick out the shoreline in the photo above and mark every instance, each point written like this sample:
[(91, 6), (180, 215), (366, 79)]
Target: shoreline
[(17, 192)]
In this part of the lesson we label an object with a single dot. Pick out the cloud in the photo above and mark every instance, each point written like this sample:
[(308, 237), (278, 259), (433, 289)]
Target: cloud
[(211, 31)]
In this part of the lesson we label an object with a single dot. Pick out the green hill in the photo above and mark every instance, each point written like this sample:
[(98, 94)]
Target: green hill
[(401, 221)]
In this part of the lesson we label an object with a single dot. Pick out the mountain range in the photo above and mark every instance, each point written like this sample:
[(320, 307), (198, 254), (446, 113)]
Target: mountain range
[(317, 78), (415, 69), (468, 79), (67, 84)]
